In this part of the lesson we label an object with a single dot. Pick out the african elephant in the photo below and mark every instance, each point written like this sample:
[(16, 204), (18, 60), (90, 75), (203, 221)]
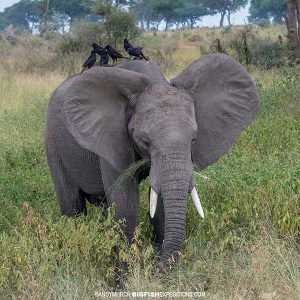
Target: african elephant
[(104, 120)]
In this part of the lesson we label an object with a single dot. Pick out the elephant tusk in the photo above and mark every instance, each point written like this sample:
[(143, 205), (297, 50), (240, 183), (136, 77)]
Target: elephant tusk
[(197, 202), (153, 202)]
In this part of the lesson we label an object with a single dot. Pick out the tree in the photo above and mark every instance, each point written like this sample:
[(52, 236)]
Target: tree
[(144, 12), (167, 9), (73, 9), (117, 21), (46, 14), (191, 12), (24, 15), (293, 23), (268, 9), (224, 7)]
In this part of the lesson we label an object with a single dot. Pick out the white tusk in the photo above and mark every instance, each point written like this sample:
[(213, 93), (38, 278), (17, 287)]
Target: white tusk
[(197, 202), (153, 202)]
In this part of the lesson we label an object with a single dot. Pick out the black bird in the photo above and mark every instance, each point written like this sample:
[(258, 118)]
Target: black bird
[(134, 51), (127, 45), (104, 57), (103, 54), (90, 61), (113, 53), (97, 48), (137, 52)]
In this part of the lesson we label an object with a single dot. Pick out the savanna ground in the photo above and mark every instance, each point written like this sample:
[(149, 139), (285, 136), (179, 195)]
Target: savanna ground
[(247, 247)]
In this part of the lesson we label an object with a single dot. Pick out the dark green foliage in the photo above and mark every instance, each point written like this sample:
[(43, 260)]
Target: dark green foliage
[(248, 49), (24, 14), (29, 14), (264, 23), (268, 9), (73, 9), (81, 35), (145, 13), (167, 8), (117, 22), (190, 12), (268, 54), (224, 7)]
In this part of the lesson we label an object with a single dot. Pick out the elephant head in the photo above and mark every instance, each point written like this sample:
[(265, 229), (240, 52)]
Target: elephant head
[(188, 122)]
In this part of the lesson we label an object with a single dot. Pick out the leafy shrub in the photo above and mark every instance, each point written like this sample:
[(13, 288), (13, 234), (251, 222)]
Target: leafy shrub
[(264, 23), (245, 46), (81, 35), (268, 54), (118, 23)]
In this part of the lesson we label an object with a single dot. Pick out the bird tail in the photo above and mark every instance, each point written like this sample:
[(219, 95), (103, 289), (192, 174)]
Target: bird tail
[(145, 57), (83, 69)]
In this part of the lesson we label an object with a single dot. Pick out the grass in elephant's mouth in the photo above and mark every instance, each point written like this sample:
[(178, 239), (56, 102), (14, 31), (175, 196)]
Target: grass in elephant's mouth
[(245, 248), (128, 173)]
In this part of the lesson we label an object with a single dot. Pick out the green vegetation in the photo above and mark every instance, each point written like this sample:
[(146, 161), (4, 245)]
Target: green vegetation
[(246, 247), (267, 9), (224, 7), (30, 14)]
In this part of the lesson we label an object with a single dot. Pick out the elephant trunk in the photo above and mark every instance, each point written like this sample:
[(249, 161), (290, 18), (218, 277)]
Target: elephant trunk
[(176, 172)]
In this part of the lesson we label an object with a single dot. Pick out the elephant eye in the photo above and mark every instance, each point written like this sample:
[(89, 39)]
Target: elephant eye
[(145, 141), (193, 141)]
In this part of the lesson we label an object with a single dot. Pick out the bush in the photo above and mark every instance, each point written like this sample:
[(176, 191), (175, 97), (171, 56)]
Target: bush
[(264, 23), (81, 35), (268, 54), (118, 23), (249, 49)]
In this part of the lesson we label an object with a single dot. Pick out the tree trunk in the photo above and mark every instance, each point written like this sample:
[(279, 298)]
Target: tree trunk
[(223, 14), (298, 18), (46, 15), (167, 26), (229, 17), (192, 23), (293, 23)]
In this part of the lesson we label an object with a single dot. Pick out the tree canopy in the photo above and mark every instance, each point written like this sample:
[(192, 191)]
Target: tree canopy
[(24, 14), (224, 7), (31, 14), (268, 9)]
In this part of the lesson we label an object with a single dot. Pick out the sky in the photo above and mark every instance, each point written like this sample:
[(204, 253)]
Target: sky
[(237, 18)]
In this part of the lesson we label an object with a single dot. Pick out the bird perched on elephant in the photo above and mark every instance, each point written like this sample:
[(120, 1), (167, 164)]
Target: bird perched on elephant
[(114, 53), (104, 57), (134, 51), (100, 123), (90, 62)]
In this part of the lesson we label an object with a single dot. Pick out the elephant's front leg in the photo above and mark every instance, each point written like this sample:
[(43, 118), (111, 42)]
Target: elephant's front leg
[(125, 196)]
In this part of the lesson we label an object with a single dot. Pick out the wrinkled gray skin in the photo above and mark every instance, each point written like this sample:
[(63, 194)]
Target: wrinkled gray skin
[(102, 121)]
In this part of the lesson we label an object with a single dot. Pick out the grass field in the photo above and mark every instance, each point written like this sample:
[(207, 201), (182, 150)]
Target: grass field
[(246, 248)]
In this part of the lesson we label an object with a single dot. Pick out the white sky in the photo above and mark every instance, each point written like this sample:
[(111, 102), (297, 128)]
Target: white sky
[(237, 18), (6, 3)]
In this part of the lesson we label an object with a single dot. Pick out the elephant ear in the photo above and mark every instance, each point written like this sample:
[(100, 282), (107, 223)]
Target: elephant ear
[(94, 111), (226, 102)]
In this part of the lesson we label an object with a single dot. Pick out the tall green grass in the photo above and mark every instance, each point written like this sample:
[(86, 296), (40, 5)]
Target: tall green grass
[(246, 247)]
